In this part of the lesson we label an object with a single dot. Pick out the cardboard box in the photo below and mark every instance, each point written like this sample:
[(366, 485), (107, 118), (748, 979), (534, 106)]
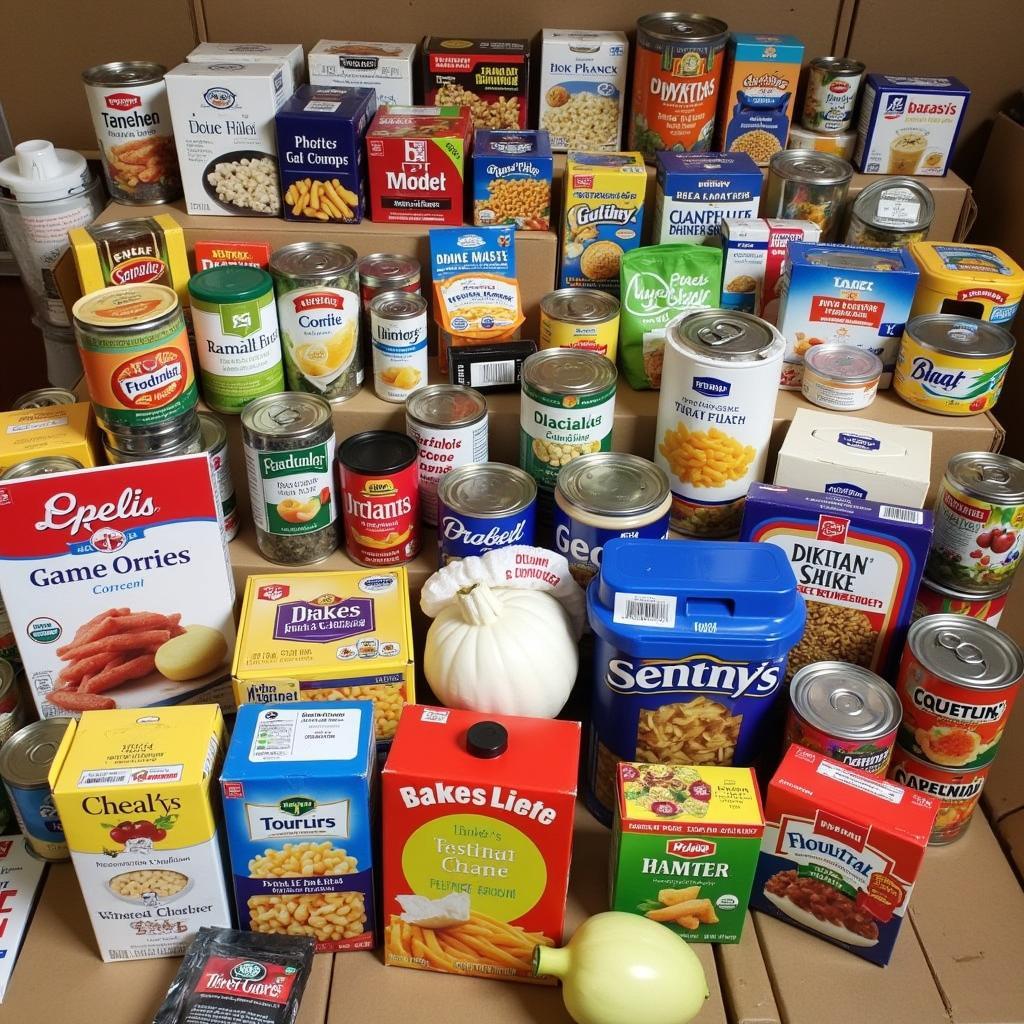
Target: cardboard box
[(288, 54), (387, 68), (21, 875), (68, 430), (516, 164)]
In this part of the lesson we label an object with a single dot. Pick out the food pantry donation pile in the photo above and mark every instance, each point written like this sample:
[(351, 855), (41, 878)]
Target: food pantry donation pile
[(828, 636)]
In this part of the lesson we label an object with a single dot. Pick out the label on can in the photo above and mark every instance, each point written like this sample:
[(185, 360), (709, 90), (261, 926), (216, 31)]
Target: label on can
[(583, 542), (381, 515), (872, 756), (443, 449), (602, 338), (460, 535), (930, 601), (38, 820), (831, 98), (225, 489), (399, 355), (292, 492)]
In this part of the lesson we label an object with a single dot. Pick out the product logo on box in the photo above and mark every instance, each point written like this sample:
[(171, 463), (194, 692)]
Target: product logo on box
[(833, 528), (325, 619), (138, 271), (895, 106), (711, 387), (153, 381), (690, 848), (273, 592), (847, 490), (851, 834), (219, 97), (863, 442), (123, 101)]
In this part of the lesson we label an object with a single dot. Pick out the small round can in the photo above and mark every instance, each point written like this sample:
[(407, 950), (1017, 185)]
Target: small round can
[(957, 681), (833, 85), (890, 214), (482, 507), (841, 377), (448, 422), (606, 495), (934, 599), (182, 444), (379, 484), (387, 272), (804, 184), (840, 144), (582, 318), (398, 339), (152, 442), (844, 712), (41, 398), (25, 761), (215, 443), (956, 789), (41, 466)]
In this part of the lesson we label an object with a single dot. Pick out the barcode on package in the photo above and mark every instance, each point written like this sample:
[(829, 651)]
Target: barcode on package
[(899, 514), (503, 372), (657, 610)]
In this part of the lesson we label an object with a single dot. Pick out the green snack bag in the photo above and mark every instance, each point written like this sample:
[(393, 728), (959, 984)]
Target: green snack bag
[(658, 283)]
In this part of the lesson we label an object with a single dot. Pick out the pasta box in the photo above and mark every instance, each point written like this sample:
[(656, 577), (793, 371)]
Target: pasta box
[(387, 68), (228, 254), (841, 852), (512, 179), (289, 55)]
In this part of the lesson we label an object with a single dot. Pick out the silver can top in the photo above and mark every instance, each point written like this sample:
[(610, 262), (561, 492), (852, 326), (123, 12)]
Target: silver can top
[(839, 65), (385, 269), (445, 406), (846, 701), (845, 364), (568, 371), (895, 204), (25, 759), (398, 305), (810, 167), (673, 27), (613, 484), (41, 466), (725, 335), (292, 416), (315, 261), (966, 651), (486, 489), (124, 72), (960, 336), (40, 398), (989, 476), (580, 305)]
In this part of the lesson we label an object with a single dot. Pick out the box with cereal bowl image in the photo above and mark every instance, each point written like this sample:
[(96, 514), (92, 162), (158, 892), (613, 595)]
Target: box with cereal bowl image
[(118, 585)]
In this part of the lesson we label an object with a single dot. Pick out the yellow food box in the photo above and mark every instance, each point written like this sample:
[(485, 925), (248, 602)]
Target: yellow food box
[(51, 430), (343, 635), (135, 790)]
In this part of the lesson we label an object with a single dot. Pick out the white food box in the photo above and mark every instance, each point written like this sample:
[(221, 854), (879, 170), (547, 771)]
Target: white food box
[(386, 67), (223, 114), (582, 88), (291, 54), (856, 458), (20, 877)]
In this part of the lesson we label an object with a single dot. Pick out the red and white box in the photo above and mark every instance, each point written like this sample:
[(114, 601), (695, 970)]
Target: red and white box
[(21, 875), (231, 254)]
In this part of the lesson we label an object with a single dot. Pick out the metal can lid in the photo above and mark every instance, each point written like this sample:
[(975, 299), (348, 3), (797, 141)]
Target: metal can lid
[(291, 415), (895, 204), (25, 759), (966, 651), (846, 364), (672, 27), (124, 72), (153, 438), (213, 431), (960, 336), (232, 283), (988, 475), (580, 305), (377, 451), (845, 701), (446, 405), (568, 371), (839, 65), (41, 398), (398, 305), (385, 268), (125, 305), (486, 489), (613, 483), (810, 167), (726, 335), (41, 466), (945, 590), (312, 260)]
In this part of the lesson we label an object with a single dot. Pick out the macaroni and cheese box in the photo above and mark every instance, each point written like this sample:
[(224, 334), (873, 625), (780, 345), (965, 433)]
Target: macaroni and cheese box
[(602, 217), (68, 430), (21, 876), (299, 787), (478, 821), (512, 179), (387, 68), (136, 795), (327, 636), (288, 54), (685, 843)]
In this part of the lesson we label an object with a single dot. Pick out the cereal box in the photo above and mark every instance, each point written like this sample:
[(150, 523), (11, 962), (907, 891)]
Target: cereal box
[(697, 191), (298, 786), (909, 124), (68, 430), (841, 852), (844, 295), (136, 796), (118, 585), (324, 636), (858, 564), (387, 68), (478, 839), (21, 875), (512, 179), (224, 254), (758, 89), (582, 88), (416, 159), (288, 54), (685, 844), (602, 217)]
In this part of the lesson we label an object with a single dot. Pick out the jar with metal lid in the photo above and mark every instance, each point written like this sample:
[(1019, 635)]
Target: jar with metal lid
[(186, 443), (318, 307), (387, 272), (807, 185), (840, 144), (42, 398), (398, 341), (841, 377), (214, 441), (890, 214), (833, 87), (289, 445), (41, 466), (584, 318)]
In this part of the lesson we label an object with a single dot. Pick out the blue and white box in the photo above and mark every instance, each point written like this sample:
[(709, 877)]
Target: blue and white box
[(501, 157)]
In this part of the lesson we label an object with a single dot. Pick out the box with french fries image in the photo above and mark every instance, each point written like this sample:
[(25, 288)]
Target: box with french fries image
[(118, 587)]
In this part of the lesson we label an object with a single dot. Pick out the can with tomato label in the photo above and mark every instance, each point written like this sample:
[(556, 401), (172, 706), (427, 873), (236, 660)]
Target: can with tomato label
[(935, 599)]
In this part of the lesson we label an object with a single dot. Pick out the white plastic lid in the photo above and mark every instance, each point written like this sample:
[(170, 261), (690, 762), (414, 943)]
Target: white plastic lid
[(38, 172)]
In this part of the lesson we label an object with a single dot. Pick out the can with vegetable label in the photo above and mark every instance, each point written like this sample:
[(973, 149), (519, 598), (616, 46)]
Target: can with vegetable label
[(398, 339), (833, 85), (934, 599)]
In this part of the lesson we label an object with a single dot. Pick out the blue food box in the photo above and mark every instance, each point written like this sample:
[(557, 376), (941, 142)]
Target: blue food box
[(512, 173), (320, 153), (299, 783)]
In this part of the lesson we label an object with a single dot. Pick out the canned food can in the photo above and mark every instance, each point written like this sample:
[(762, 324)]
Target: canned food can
[(935, 599), (841, 377), (135, 354), (833, 87), (187, 444), (177, 436), (132, 251), (840, 144), (978, 538), (132, 120), (890, 214), (606, 495), (448, 422), (379, 486), (41, 466), (957, 681), (952, 365), (483, 507), (318, 306), (804, 184), (289, 446), (234, 318), (719, 385), (25, 761), (214, 437), (387, 272), (845, 712), (398, 338), (42, 398), (583, 318)]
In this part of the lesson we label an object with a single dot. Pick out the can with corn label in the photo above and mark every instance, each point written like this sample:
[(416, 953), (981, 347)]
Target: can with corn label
[(580, 318), (398, 337), (833, 86)]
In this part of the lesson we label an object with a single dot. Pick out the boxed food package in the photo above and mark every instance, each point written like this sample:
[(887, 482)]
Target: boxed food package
[(909, 124), (68, 430), (136, 796), (582, 88), (299, 789), (512, 173), (416, 159), (223, 118), (858, 565), (21, 876), (685, 843), (387, 68), (320, 133), (841, 853), (758, 90), (478, 840), (843, 294), (288, 54), (861, 459), (118, 585), (697, 191), (489, 76), (224, 254), (325, 636)]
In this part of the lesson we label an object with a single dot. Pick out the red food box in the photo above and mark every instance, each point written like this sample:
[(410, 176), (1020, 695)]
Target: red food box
[(416, 161), (841, 852)]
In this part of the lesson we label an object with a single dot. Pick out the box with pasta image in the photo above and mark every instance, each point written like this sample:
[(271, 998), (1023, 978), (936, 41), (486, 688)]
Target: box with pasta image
[(299, 787)]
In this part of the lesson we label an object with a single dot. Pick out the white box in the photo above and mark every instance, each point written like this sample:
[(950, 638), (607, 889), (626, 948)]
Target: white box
[(856, 458), (20, 877), (386, 67), (223, 114), (582, 88), (291, 54)]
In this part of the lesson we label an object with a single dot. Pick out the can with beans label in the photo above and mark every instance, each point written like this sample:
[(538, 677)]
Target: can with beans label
[(933, 599), (833, 85), (580, 318), (215, 443), (398, 338)]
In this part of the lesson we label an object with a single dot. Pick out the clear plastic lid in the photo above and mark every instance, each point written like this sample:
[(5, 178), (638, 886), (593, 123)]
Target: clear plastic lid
[(38, 173)]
